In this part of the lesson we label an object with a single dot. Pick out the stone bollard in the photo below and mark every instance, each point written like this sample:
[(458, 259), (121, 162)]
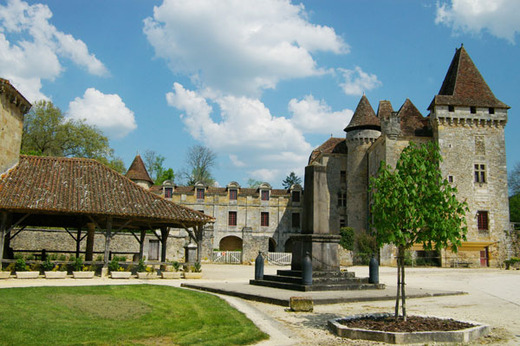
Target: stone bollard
[(301, 304), (307, 270), (373, 270), (259, 267)]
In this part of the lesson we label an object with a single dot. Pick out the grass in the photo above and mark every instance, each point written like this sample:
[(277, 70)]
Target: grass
[(120, 315)]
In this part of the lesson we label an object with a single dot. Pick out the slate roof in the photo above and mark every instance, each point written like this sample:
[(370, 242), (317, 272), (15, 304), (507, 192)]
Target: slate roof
[(137, 171), (333, 145), (364, 117), (58, 185), (465, 86), (412, 121), (385, 109)]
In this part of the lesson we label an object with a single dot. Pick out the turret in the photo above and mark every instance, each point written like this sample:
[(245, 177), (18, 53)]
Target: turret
[(138, 173)]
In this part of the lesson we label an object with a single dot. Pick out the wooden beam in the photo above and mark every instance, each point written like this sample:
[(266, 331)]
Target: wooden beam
[(108, 236), (3, 232)]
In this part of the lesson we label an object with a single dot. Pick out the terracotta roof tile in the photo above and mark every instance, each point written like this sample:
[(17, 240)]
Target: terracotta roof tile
[(333, 145), (84, 186), (364, 117), (137, 171), (412, 121), (465, 86)]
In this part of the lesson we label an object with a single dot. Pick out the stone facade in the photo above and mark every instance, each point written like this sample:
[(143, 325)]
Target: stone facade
[(467, 122), (246, 219), (13, 106)]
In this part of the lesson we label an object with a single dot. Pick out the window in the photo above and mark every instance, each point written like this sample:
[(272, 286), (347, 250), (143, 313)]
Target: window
[(264, 219), (451, 108), (296, 196), (265, 195), (450, 179), (200, 193), (473, 110), (482, 220), (491, 110), (342, 223), (343, 177), (233, 193), (168, 191), (480, 173), (342, 199), (296, 220), (232, 218)]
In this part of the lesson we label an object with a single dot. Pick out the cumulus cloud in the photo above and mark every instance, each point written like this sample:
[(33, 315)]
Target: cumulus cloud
[(246, 130), (105, 111), (315, 116), (32, 48), (357, 81), (239, 47), (498, 17)]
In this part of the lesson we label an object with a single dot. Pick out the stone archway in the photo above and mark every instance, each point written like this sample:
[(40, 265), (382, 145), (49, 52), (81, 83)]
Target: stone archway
[(288, 245), (272, 245), (230, 243)]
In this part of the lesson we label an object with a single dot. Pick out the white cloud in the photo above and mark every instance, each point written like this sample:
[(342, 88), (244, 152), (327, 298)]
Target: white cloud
[(498, 17), (315, 116), (106, 111), (357, 81), (246, 131), (32, 48), (239, 46)]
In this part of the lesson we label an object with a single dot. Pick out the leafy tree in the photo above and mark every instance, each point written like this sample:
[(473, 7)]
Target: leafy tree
[(200, 160), (514, 208), (253, 183), (514, 180), (291, 180), (154, 165), (48, 133), (413, 204)]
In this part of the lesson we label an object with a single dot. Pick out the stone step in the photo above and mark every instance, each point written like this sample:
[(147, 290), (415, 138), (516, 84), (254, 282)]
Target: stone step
[(316, 286), (317, 274)]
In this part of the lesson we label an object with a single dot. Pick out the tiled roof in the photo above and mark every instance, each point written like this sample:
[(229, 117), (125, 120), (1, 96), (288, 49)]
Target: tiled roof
[(137, 171), (384, 110), (364, 117), (211, 190), (412, 121), (464, 85), (78, 186), (333, 145)]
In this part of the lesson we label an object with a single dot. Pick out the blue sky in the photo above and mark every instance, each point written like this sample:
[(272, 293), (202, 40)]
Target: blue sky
[(261, 82)]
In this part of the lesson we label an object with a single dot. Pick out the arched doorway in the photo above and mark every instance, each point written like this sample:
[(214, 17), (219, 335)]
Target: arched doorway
[(272, 245), (288, 245), (230, 243)]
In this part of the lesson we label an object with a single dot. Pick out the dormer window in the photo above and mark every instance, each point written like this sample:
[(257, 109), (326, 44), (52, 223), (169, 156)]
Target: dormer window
[(265, 195), (200, 193), (233, 193), (168, 192), (473, 110), (296, 196), (451, 109)]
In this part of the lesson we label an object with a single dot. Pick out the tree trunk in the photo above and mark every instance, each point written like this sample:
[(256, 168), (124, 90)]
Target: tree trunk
[(398, 283), (403, 293)]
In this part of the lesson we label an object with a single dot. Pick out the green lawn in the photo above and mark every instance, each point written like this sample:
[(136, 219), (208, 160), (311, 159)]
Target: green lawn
[(133, 314)]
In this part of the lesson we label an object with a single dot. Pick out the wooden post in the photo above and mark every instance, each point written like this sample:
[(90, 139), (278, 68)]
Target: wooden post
[(3, 228), (91, 233), (165, 231), (78, 241), (108, 236), (199, 234), (141, 244)]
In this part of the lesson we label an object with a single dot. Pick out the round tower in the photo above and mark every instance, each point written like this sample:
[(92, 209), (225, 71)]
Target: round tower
[(362, 131)]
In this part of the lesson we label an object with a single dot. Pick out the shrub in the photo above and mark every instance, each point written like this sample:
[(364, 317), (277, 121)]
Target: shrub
[(366, 246), (20, 265), (176, 266), (77, 264), (113, 265), (347, 238), (141, 266), (47, 265)]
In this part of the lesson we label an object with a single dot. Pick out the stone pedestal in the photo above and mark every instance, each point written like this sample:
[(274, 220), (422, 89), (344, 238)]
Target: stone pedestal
[(323, 249), (190, 253)]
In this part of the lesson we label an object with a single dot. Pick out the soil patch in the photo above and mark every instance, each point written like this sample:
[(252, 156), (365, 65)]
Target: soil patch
[(412, 324)]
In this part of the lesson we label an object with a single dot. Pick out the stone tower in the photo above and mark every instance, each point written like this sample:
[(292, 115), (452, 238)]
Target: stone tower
[(468, 124), (12, 109), (362, 131)]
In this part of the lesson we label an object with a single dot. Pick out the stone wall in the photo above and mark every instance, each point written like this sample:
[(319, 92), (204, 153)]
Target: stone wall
[(11, 128)]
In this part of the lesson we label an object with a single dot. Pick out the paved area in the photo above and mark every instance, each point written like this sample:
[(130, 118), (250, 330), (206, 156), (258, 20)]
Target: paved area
[(492, 298)]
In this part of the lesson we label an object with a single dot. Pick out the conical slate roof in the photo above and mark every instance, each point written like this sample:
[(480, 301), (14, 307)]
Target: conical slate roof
[(384, 110), (137, 171), (465, 86), (364, 117), (412, 121)]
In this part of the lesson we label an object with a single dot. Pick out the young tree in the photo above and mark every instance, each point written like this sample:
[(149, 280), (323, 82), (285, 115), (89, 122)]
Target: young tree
[(290, 180), (253, 183), (48, 133), (154, 165), (413, 204), (200, 160), (514, 180)]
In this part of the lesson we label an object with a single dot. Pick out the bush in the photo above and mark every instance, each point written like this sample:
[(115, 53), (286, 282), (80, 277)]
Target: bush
[(141, 267), (47, 265), (113, 265), (347, 238), (77, 265), (366, 247), (176, 266), (20, 265)]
